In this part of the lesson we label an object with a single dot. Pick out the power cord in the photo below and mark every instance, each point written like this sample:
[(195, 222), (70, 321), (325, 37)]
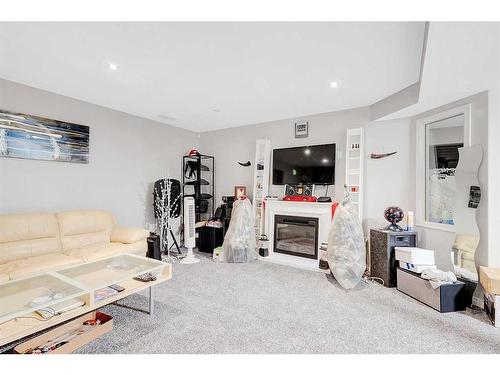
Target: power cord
[(373, 280)]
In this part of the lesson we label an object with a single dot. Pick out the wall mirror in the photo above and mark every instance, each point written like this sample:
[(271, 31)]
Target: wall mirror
[(439, 139), (448, 190), (465, 203)]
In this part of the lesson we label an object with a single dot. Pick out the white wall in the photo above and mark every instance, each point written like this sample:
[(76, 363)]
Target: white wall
[(127, 154), (387, 181), (238, 144), (442, 241)]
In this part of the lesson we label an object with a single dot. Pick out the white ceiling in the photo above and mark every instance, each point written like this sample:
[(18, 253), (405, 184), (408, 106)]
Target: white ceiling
[(462, 59), (205, 76)]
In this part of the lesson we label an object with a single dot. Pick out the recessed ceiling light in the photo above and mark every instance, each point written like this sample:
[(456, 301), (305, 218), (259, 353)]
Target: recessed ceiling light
[(334, 84), (112, 66), (325, 160), (307, 151)]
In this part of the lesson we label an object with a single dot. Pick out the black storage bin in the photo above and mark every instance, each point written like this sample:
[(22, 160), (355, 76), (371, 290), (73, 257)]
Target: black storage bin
[(209, 238)]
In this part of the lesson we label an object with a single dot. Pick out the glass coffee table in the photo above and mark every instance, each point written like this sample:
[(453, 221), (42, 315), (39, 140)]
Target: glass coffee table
[(76, 287)]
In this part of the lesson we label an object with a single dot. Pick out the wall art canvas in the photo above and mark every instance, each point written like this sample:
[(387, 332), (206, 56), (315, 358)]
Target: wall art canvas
[(33, 137)]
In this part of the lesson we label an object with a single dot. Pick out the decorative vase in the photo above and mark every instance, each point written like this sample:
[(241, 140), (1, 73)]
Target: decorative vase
[(394, 215)]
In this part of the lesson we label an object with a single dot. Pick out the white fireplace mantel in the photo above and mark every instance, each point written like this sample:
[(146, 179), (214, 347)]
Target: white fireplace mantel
[(321, 211)]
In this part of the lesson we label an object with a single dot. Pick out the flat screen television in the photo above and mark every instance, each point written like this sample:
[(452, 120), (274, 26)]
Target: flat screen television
[(304, 165)]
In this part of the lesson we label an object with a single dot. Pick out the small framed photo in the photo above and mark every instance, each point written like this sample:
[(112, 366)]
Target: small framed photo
[(240, 191), (301, 129)]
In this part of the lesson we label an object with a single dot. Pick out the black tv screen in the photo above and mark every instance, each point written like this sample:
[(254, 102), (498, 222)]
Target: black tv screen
[(304, 165)]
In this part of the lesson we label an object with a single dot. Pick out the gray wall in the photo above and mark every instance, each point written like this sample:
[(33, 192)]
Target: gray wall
[(127, 154)]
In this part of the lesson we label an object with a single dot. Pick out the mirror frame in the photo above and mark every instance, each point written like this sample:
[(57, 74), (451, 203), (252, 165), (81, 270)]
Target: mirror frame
[(421, 158)]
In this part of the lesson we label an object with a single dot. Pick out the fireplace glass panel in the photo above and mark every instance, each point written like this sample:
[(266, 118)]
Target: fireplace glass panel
[(297, 236)]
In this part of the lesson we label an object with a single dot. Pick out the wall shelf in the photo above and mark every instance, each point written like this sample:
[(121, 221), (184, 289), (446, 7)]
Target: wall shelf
[(355, 168), (261, 182)]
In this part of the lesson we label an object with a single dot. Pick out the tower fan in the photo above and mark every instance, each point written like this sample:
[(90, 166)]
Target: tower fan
[(189, 231)]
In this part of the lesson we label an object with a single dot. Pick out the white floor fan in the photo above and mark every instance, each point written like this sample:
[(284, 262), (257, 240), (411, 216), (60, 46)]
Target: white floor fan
[(189, 231)]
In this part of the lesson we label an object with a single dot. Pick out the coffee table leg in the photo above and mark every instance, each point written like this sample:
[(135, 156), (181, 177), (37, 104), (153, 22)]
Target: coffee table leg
[(151, 301)]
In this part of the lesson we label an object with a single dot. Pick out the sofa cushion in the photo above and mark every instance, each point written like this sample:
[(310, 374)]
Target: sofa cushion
[(138, 248), (93, 252), (28, 235), (128, 235), (36, 265), (4, 278), (83, 228)]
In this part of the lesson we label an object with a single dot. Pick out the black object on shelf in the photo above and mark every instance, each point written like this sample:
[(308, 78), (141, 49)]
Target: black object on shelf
[(201, 206), (202, 195), (210, 238), (198, 181)]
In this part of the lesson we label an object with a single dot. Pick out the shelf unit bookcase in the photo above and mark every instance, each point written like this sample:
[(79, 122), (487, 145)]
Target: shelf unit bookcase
[(261, 181), (354, 168), (201, 185)]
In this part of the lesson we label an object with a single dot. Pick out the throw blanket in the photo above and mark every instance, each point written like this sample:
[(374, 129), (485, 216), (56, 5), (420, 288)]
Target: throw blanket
[(438, 277)]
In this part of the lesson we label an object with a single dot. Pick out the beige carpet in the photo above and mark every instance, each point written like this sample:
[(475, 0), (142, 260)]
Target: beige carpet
[(265, 308)]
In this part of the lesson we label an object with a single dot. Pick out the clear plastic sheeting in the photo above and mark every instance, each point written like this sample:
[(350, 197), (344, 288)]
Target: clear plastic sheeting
[(346, 252), (239, 243)]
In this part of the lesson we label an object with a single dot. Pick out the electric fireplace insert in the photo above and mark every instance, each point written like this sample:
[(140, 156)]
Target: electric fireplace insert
[(296, 235)]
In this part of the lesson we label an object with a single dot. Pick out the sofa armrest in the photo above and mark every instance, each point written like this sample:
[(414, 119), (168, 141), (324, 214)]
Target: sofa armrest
[(128, 235)]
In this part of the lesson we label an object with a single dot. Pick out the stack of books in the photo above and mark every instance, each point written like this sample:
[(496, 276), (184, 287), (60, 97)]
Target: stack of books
[(415, 259)]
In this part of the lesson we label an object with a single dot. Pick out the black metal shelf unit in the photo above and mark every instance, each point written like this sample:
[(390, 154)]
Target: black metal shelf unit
[(198, 181)]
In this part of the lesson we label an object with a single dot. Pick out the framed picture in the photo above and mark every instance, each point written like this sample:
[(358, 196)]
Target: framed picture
[(240, 191), (33, 137), (301, 129)]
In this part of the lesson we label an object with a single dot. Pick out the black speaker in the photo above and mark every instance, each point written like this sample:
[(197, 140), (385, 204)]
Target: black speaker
[(305, 190), (290, 190), (308, 190), (154, 251)]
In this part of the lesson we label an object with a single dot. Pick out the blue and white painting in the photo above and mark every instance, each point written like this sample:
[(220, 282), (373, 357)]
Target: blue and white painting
[(33, 137)]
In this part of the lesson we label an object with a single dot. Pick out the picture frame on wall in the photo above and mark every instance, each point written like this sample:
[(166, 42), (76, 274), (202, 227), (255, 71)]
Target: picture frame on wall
[(240, 191), (33, 137), (301, 129)]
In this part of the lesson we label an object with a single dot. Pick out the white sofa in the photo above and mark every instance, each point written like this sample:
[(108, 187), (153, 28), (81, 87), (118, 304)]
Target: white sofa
[(39, 242)]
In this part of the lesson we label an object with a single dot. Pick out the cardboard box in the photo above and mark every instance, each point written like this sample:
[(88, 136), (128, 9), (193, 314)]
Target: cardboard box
[(415, 255), (490, 279), (69, 347), (491, 304)]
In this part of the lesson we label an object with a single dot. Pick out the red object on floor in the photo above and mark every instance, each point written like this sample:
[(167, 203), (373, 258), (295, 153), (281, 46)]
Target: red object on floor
[(334, 207), (299, 198)]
